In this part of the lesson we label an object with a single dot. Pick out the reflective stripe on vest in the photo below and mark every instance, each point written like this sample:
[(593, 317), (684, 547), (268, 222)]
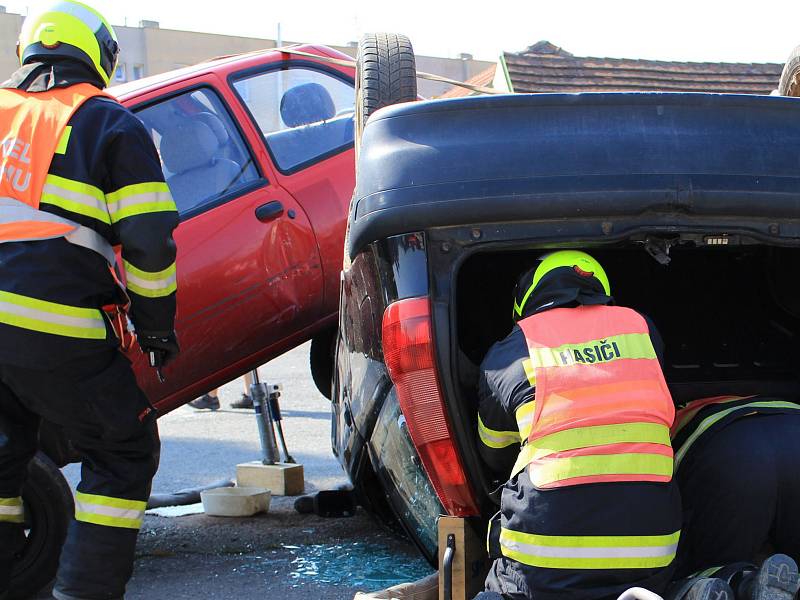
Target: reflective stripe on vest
[(31, 128), (709, 421), (589, 552), (12, 510), (14, 213), (602, 407), (109, 511)]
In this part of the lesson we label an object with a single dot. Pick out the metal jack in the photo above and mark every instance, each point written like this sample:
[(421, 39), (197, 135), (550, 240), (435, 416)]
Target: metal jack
[(275, 412), (266, 433)]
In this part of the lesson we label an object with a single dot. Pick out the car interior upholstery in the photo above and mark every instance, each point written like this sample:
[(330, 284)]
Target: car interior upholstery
[(192, 150), (314, 130)]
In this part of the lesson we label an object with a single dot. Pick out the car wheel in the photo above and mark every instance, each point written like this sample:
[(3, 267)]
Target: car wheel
[(386, 74), (321, 361), (48, 511), (790, 78)]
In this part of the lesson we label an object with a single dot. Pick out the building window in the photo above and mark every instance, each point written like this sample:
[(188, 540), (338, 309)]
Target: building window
[(119, 74), (138, 71)]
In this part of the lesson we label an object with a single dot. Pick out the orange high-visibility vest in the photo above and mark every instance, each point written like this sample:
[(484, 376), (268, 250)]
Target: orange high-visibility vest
[(602, 408), (31, 126)]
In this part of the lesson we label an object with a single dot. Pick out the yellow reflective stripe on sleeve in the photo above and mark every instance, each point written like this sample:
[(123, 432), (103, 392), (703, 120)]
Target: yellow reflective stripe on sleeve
[(587, 437), (109, 511), (64, 141), (496, 439), (615, 347), (50, 317), (559, 469), (75, 196), (530, 372), (709, 421), (524, 415), (590, 552), (11, 510), (139, 199), (151, 284)]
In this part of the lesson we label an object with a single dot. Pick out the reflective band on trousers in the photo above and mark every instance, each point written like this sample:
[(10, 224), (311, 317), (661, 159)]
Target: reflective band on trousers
[(13, 211), (709, 421), (594, 436), (590, 552), (50, 317), (11, 510), (496, 439), (109, 511), (151, 284)]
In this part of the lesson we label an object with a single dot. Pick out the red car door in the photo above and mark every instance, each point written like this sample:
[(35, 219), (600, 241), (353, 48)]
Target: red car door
[(304, 114), (242, 242)]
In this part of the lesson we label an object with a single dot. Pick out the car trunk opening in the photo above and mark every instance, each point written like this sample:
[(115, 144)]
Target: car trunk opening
[(729, 315)]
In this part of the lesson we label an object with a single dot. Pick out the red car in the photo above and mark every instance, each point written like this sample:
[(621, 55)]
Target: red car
[(263, 207), (258, 152)]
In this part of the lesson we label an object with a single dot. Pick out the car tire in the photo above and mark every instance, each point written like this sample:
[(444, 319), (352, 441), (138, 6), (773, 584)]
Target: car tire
[(321, 361), (386, 74), (48, 511), (790, 78)]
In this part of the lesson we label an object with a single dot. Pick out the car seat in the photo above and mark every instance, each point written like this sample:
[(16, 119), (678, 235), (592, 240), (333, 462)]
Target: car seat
[(314, 130), (191, 151), (306, 103)]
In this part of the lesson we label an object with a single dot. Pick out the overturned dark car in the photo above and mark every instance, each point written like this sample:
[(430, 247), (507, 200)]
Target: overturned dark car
[(690, 201)]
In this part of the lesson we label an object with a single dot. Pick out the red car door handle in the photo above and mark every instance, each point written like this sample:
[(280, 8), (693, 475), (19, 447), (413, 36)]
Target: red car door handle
[(269, 211)]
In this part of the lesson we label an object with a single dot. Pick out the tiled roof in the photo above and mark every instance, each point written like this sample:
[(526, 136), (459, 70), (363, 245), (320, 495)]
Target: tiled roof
[(484, 78), (545, 67)]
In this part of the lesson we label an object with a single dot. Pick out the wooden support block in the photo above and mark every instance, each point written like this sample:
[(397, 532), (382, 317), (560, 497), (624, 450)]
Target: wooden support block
[(282, 479), (470, 561)]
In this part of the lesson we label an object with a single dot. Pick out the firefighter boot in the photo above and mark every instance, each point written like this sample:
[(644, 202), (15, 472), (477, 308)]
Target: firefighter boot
[(700, 588), (710, 588), (777, 579)]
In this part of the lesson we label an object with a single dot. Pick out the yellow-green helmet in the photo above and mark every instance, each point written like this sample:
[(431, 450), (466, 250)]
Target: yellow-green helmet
[(70, 29), (580, 262)]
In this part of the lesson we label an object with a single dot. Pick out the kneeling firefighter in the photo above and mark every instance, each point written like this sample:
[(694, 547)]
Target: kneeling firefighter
[(737, 459), (577, 394), (79, 174)]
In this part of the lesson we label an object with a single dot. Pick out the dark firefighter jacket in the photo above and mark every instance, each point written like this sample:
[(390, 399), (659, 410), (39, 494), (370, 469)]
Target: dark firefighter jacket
[(106, 175)]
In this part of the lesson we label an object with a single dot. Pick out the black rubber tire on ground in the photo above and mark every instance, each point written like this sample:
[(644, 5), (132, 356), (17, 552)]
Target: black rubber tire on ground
[(48, 511), (790, 78), (321, 361), (386, 74)]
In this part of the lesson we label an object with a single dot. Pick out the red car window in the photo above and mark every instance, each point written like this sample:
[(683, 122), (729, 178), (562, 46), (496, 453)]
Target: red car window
[(304, 114), (202, 153)]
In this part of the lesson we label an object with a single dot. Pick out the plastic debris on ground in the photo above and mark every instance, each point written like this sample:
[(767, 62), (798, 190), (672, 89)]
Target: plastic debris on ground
[(176, 511)]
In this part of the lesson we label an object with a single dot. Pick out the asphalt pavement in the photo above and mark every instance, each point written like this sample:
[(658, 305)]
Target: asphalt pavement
[(281, 554)]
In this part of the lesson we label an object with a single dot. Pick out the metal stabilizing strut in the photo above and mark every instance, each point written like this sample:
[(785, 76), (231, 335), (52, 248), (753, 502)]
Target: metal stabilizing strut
[(266, 433), (268, 415)]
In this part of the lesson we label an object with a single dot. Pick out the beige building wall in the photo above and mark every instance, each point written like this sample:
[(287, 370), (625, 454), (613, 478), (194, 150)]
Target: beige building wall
[(10, 25), (149, 50)]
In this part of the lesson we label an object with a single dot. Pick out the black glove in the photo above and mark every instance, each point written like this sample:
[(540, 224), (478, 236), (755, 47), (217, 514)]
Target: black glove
[(162, 346)]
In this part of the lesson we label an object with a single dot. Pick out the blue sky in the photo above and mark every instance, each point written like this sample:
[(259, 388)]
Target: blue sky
[(698, 30)]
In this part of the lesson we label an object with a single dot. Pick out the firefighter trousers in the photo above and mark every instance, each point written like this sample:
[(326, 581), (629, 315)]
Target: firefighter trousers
[(111, 424), (583, 542), (740, 490)]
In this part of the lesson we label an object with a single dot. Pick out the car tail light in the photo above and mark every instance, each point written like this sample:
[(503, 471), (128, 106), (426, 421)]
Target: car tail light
[(408, 350)]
